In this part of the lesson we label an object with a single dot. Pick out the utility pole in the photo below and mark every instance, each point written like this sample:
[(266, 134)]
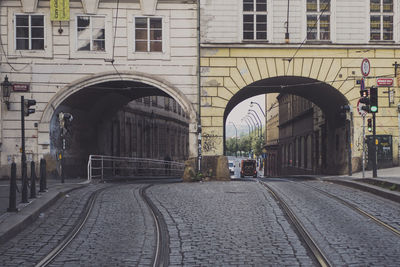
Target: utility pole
[(24, 198), (374, 165)]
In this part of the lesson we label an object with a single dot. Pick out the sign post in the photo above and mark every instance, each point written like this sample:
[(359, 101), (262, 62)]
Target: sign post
[(365, 70), (363, 148)]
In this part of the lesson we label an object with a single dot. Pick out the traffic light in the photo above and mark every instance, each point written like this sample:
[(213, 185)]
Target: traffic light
[(373, 99), (369, 125), (365, 100), (27, 104)]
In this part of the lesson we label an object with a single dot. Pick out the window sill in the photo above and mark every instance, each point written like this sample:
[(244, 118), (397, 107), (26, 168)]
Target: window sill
[(150, 55), (319, 42), (382, 42), (255, 41)]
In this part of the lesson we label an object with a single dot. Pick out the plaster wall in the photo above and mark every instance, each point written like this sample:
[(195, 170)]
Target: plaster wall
[(226, 70), (58, 70)]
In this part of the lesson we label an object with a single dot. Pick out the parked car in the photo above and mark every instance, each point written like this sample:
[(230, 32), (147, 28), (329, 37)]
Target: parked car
[(248, 168), (231, 166)]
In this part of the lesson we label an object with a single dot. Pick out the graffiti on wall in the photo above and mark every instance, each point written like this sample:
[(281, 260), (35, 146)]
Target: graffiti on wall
[(211, 142)]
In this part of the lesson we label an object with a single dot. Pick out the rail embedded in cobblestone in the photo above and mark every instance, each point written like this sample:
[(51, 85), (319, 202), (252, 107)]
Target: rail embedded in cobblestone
[(108, 167), (161, 254), (73, 233), (313, 247), (359, 210)]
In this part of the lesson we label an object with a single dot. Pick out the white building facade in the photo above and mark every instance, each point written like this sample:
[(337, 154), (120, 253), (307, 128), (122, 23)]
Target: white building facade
[(137, 47)]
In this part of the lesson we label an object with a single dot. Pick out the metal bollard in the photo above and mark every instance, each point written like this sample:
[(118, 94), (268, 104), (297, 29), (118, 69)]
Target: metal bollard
[(12, 207), (43, 176), (33, 180), (24, 179)]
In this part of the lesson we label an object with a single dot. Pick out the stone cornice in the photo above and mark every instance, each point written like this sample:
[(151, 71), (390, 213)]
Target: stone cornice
[(148, 7), (90, 6), (29, 6)]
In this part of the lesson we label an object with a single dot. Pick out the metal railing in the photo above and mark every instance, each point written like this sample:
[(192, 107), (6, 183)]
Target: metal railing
[(107, 167)]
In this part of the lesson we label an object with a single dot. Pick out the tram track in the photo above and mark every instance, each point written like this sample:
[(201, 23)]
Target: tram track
[(312, 246), (357, 209), (161, 254), (73, 233)]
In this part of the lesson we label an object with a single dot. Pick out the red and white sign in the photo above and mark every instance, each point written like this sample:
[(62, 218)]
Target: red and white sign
[(365, 67), (384, 81), (20, 87)]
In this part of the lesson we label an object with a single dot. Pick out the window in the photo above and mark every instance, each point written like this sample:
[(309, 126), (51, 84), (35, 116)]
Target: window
[(166, 103), (318, 20), (255, 20), (91, 33), (154, 102), (381, 21), (148, 34), (29, 32)]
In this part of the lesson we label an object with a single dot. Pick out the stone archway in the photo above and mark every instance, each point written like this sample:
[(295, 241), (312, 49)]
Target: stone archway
[(228, 72), (128, 77)]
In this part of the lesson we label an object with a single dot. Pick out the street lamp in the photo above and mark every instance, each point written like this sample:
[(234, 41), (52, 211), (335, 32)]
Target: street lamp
[(248, 125), (257, 118), (251, 105), (255, 122), (236, 138), (6, 90), (251, 122)]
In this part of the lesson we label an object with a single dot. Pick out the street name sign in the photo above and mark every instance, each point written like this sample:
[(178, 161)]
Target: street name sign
[(384, 82)]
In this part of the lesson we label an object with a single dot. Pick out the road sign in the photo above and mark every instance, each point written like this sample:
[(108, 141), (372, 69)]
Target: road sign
[(362, 84), (365, 67), (384, 82), (360, 110)]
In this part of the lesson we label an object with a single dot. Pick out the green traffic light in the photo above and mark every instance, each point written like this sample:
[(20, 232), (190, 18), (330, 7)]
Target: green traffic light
[(373, 108)]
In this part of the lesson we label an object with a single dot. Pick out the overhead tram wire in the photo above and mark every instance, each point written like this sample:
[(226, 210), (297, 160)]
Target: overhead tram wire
[(269, 86), (114, 40), (6, 57), (305, 39)]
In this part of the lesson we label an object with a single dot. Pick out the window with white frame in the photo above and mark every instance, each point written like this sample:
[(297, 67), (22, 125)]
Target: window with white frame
[(318, 19), (255, 20), (381, 20), (148, 34), (29, 32), (91, 33)]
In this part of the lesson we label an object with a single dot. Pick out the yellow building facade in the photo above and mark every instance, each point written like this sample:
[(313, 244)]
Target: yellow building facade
[(325, 75)]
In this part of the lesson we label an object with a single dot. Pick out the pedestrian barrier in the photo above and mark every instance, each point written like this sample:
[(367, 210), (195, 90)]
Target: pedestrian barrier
[(106, 167)]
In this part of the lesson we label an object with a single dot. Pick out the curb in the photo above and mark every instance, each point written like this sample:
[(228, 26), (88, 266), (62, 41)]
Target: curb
[(385, 193), (26, 219)]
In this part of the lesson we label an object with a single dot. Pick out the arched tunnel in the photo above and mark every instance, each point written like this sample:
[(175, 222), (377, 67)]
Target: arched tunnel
[(331, 138), (118, 118)]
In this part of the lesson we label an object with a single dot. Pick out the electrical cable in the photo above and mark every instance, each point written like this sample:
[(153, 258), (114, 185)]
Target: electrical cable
[(305, 39)]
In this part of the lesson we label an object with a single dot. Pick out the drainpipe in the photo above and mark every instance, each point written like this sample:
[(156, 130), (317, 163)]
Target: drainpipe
[(199, 88), (398, 110)]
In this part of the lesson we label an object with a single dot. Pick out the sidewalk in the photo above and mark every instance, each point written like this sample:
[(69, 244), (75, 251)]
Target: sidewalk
[(12, 222), (388, 180)]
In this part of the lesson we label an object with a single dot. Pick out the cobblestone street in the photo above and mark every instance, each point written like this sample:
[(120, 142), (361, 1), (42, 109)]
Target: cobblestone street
[(237, 223), (227, 224)]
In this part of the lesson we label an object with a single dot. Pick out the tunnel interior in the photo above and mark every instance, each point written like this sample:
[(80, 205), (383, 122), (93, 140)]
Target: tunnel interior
[(101, 113), (334, 133)]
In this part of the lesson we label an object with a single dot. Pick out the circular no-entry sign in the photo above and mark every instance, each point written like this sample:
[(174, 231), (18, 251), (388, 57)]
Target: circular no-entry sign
[(365, 67)]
